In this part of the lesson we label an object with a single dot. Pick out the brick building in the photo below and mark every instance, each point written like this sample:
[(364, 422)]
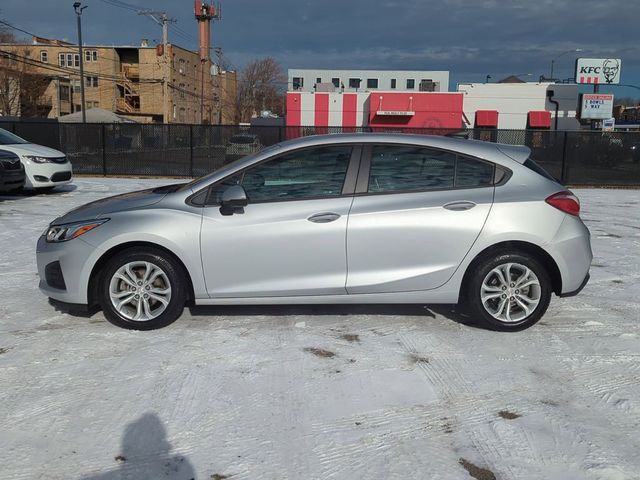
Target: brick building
[(146, 84)]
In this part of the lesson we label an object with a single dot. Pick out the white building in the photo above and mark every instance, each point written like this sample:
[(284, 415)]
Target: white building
[(517, 103), (307, 80)]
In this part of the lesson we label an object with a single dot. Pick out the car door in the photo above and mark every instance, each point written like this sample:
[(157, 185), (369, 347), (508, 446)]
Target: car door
[(416, 214), (290, 239)]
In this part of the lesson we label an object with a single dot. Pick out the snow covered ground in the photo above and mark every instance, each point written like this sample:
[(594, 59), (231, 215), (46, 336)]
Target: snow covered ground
[(340, 392)]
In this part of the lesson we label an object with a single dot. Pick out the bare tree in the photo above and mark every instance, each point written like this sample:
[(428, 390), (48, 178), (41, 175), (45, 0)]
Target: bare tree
[(260, 87), (21, 85)]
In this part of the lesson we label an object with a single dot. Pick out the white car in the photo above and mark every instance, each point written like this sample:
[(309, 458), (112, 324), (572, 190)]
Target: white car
[(44, 167)]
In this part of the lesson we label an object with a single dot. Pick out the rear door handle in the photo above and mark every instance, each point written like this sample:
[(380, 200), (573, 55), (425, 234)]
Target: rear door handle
[(459, 206), (326, 217)]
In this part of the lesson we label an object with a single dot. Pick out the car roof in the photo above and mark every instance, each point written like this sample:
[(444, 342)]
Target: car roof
[(474, 148)]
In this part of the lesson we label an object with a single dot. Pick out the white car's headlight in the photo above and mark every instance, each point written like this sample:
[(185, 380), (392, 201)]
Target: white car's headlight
[(36, 159), (64, 233)]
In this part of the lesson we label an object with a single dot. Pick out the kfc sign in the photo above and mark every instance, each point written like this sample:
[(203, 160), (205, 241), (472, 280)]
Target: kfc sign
[(598, 70)]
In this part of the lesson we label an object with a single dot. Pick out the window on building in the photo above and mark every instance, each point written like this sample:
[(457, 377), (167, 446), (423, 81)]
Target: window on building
[(318, 80), (336, 82), (61, 60), (91, 81), (87, 55), (393, 83), (94, 55), (75, 84), (182, 114), (354, 82), (411, 84), (76, 60), (181, 66), (69, 59), (44, 56), (372, 83), (181, 90), (65, 93), (297, 83), (427, 85)]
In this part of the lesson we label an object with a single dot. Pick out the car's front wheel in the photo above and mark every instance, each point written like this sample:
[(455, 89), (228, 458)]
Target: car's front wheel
[(142, 289), (509, 291)]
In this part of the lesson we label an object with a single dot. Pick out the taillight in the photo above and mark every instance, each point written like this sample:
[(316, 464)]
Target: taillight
[(566, 202)]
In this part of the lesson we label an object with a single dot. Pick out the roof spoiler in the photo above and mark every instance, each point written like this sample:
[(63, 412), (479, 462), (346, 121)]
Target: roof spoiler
[(519, 153)]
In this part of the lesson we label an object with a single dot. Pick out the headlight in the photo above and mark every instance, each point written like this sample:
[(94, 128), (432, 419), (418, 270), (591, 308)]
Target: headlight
[(36, 159), (64, 233)]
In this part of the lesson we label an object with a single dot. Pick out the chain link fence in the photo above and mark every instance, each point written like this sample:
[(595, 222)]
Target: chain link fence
[(574, 157)]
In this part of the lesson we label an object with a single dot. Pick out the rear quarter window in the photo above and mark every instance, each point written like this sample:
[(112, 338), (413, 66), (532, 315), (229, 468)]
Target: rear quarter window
[(532, 165)]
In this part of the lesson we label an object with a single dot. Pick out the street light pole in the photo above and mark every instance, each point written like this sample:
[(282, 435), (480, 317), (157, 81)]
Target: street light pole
[(553, 61), (77, 6)]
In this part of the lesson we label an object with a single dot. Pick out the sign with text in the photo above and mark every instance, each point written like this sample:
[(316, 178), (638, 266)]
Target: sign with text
[(596, 106), (609, 125), (598, 70)]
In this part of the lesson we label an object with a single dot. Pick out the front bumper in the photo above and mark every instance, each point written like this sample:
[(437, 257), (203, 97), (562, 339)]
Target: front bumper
[(11, 180), (43, 175), (74, 258)]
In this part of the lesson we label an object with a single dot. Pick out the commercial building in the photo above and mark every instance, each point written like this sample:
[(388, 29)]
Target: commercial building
[(520, 105), (309, 80), (144, 83), (375, 109)]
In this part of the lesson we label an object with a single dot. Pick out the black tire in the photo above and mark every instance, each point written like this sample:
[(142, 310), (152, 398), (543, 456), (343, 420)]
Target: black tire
[(473, 287), (177, 281)]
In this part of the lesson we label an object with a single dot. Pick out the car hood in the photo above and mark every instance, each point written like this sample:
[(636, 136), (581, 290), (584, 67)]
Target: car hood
[(118, 203), (32, 149)]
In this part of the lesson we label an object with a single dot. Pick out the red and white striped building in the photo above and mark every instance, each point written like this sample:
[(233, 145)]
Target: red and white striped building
[(375, 109)]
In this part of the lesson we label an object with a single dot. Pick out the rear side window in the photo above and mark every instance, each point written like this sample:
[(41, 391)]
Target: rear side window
[(408, 169), (472, 173), (531, 165), (404, 168)]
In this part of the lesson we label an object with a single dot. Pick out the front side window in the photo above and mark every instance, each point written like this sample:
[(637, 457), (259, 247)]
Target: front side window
[(405, 168), (300, 175)]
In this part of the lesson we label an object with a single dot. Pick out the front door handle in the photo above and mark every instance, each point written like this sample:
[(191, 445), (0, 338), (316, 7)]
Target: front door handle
[(459, 206), (326, 217)]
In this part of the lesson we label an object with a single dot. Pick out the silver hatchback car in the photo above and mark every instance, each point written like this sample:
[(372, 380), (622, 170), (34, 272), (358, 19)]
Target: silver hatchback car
[(356, 218)]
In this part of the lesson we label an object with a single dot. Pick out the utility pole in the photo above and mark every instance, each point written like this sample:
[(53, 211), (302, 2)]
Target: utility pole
[(77, 6), (161, 18)]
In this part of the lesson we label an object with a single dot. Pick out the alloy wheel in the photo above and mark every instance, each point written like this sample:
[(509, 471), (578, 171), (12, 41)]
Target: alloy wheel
[(510, 292), (140, 291)]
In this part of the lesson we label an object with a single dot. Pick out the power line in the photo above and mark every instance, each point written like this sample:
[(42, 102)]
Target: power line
[(18, 29)]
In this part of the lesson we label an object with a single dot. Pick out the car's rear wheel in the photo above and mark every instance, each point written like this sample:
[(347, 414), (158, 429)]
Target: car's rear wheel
[(508, 291), (142, 289)]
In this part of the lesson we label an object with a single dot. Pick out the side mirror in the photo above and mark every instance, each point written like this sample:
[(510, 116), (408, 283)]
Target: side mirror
[(233, 200)]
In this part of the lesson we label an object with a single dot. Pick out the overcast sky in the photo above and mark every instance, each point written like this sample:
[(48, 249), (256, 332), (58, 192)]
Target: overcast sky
[(470, 38)]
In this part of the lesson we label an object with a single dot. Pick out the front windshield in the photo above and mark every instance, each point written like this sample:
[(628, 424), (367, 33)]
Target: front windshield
[(229, 166), (8, 138)]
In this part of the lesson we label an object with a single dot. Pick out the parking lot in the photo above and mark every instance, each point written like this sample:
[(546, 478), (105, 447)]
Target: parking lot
[(337, 392)]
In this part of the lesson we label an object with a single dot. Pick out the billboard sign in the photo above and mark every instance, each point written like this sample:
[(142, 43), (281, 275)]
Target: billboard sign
[(598, 70), (609, 125), (596, 106)]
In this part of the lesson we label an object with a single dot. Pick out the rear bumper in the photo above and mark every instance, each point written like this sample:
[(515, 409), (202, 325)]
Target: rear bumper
[(571, 250), (578, 290)]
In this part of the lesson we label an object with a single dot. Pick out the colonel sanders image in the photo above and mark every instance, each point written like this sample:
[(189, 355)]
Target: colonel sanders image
[(610, 70)]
